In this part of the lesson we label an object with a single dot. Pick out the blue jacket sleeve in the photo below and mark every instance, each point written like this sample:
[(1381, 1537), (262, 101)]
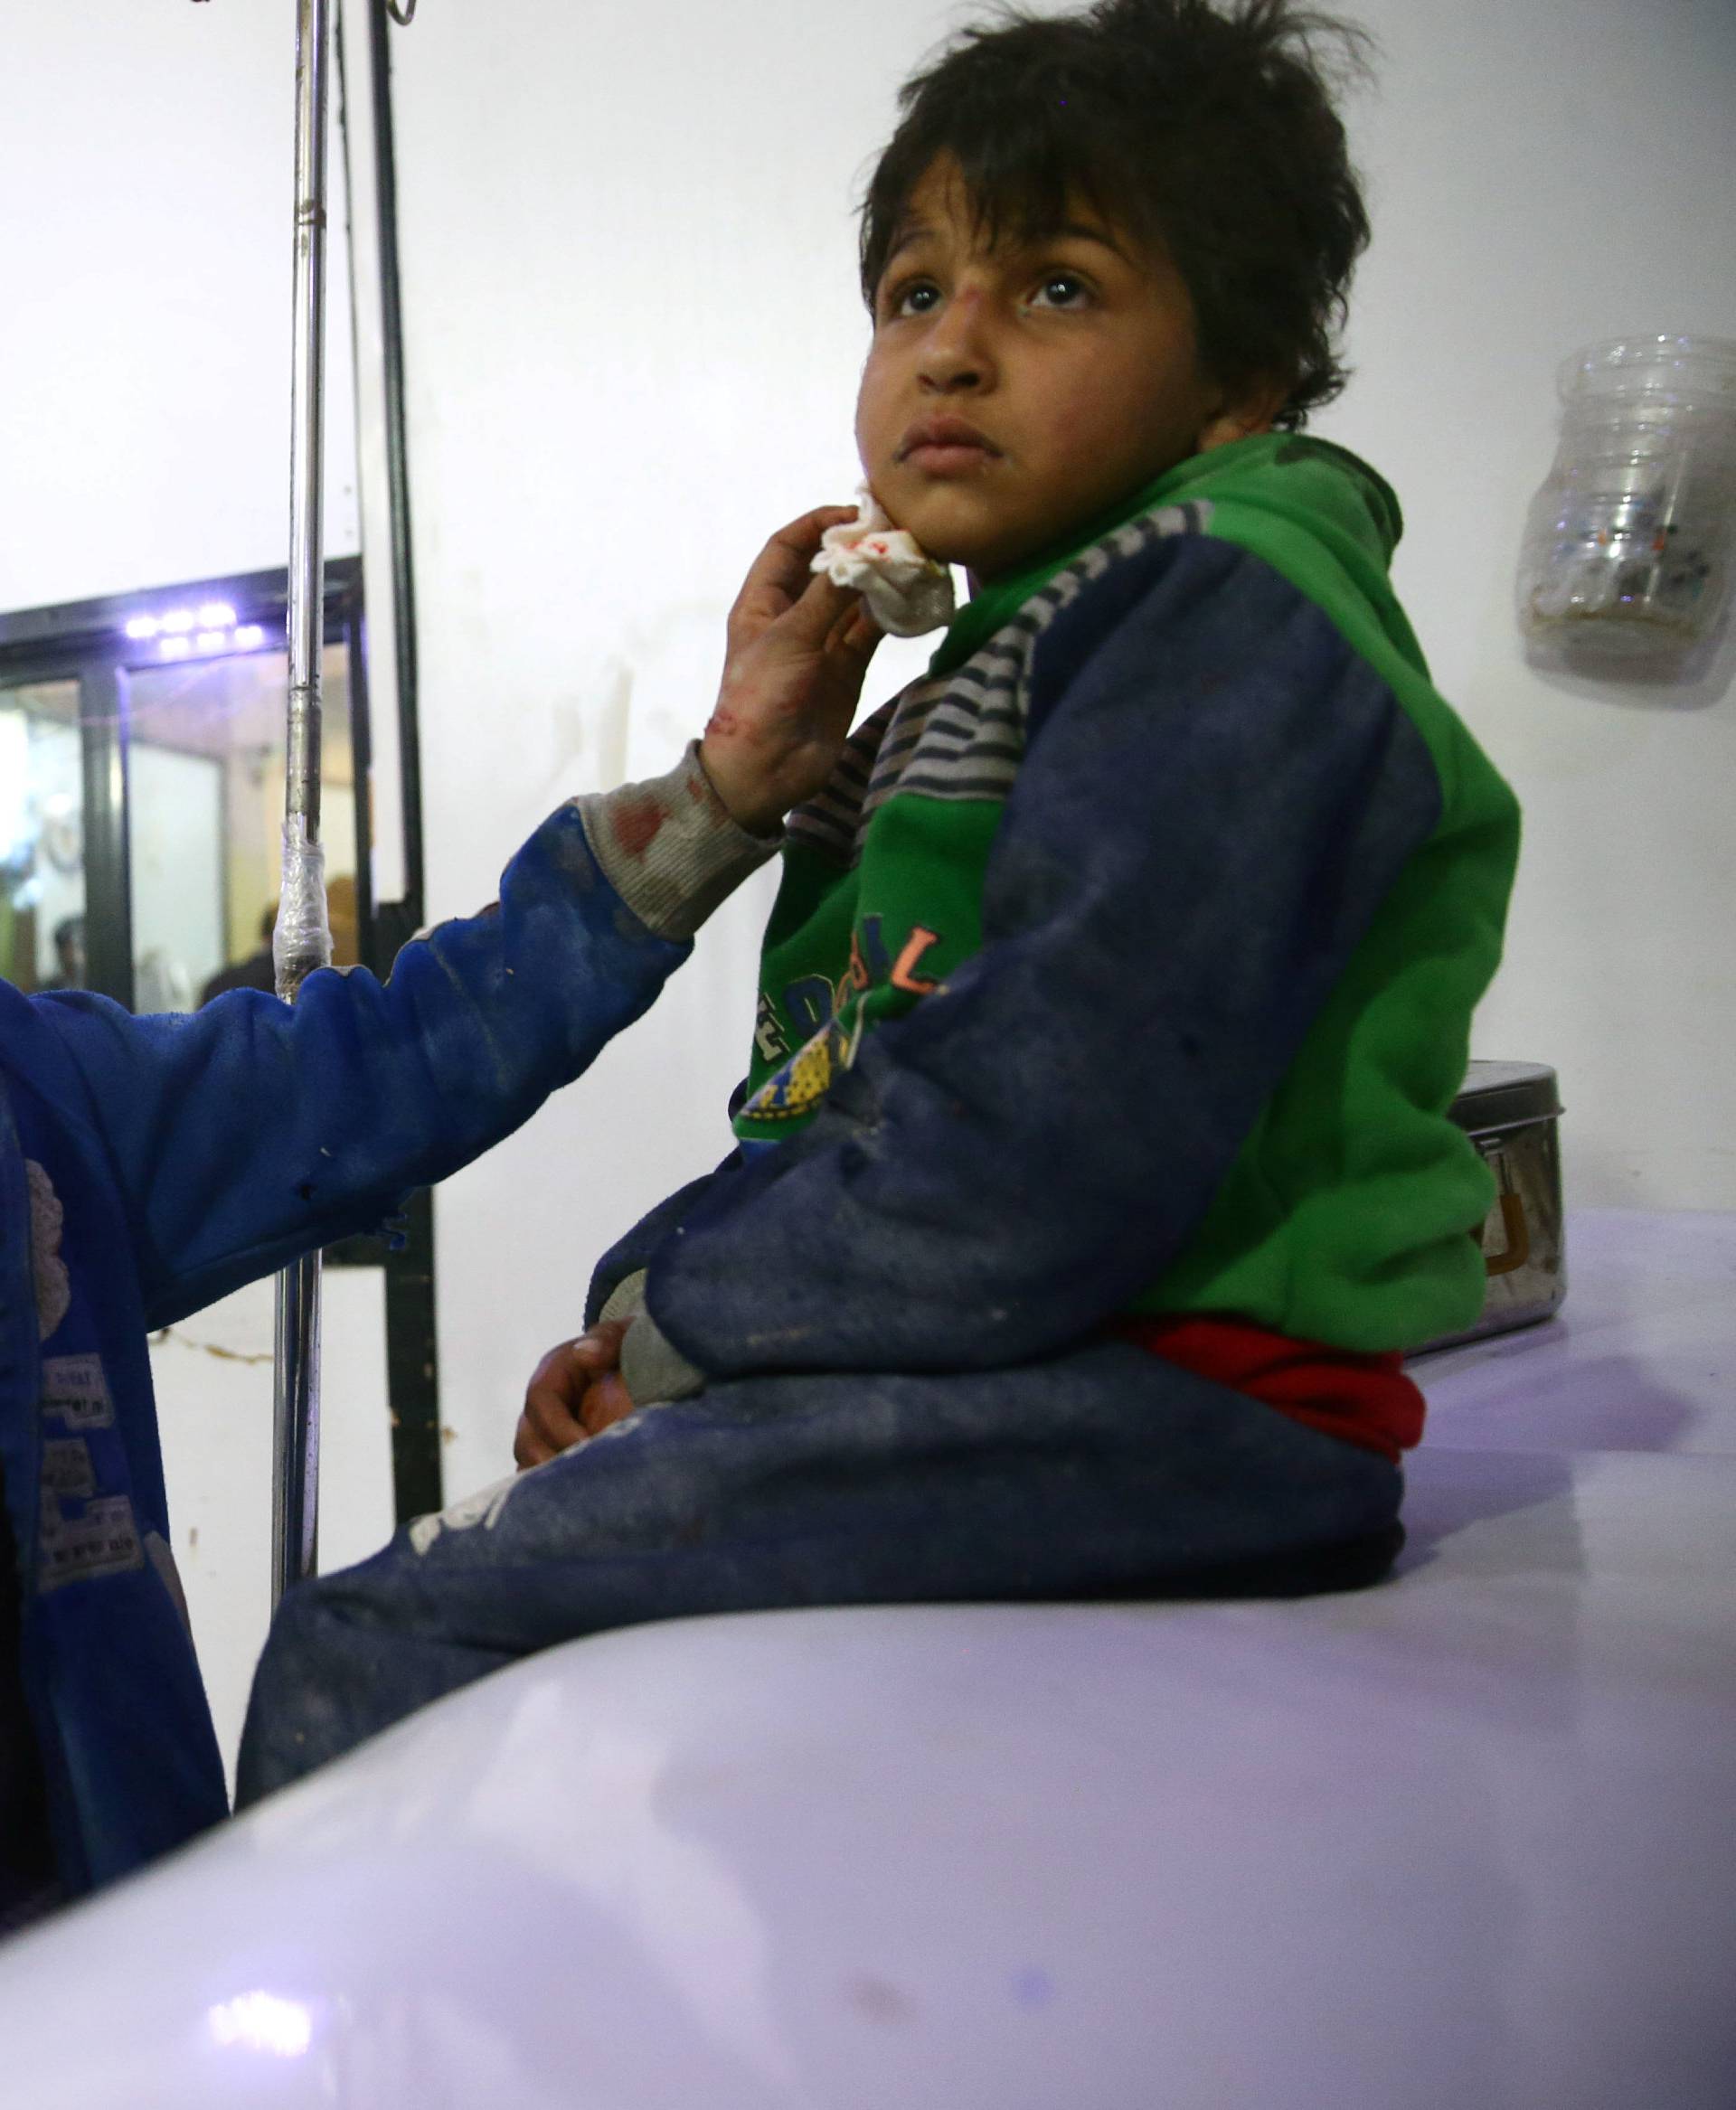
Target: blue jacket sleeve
[(251, 1131), (1216, 795), (632, 1252)]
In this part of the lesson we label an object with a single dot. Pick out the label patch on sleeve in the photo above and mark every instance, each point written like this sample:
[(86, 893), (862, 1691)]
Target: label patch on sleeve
[(66, 1469), (75, 1389), (103, 1540)]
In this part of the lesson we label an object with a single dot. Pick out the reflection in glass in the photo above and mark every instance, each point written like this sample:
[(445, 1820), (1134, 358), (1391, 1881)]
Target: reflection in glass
[(42, 844), (206, 808)]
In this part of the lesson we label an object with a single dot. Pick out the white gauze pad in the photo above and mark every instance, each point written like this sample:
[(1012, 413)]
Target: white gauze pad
[(907, 592)]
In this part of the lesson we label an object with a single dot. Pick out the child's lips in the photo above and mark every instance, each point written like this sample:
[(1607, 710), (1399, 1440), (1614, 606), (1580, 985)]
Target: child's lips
[(946, 446), (948, 457)]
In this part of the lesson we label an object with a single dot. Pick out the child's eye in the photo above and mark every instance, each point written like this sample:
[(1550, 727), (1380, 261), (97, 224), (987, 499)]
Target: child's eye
[(915, 296), (1062, 290)]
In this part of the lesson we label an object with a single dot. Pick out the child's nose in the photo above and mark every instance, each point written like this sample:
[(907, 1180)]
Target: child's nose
[(957, 351)]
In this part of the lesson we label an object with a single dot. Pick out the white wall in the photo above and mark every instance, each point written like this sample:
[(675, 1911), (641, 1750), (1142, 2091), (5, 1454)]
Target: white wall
[(633, 337), (146, 194), (1545, 173)]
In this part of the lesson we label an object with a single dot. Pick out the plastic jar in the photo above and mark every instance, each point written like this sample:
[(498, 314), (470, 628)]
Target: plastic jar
[(1628, 553)]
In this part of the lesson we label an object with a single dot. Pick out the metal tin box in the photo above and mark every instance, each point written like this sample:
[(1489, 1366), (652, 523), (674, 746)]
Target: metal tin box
[(1510, 1110)]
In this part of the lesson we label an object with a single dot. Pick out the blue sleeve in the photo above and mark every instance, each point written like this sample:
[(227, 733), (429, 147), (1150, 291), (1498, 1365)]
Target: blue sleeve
[(632, 1251), (1216, 795), (251, 1131)]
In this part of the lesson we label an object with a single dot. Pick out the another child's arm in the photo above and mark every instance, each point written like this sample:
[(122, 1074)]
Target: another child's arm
[(1217, 795), (250, 1131)]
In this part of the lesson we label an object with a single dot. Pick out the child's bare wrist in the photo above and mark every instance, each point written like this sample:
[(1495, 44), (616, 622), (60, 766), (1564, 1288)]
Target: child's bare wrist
[(744, 794)]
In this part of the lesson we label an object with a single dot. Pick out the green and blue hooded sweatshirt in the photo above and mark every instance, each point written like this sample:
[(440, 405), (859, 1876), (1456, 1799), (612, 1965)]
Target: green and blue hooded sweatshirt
[(1125, 967)]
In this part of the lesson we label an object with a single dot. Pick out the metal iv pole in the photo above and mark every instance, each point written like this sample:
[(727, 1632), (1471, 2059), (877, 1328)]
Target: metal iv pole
[(302, 939)]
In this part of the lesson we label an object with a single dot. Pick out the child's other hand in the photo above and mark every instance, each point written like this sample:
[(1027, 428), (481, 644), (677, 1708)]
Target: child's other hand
[(798, 649), (606, 1402), (574, 1392)]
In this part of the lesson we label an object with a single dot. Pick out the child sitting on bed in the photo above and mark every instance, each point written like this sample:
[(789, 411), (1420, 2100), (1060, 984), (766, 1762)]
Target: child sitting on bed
[(1094, 1168)]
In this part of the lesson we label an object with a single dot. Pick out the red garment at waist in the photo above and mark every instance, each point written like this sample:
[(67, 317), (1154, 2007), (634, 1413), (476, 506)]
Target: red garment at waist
[(1364, 1400)]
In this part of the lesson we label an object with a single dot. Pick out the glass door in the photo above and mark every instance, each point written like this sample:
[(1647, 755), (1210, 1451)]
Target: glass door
[(42, 836), (205, 763)]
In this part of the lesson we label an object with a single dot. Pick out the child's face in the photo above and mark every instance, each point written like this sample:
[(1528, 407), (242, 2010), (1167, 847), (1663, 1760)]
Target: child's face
[(1013, 392)]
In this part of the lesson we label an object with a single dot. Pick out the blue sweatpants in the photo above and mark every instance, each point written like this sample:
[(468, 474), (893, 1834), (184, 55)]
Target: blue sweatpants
[(1103, 1472)]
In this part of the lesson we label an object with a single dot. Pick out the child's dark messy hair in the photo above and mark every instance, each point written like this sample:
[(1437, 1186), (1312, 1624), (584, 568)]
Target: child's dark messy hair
[(1206, 130)]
